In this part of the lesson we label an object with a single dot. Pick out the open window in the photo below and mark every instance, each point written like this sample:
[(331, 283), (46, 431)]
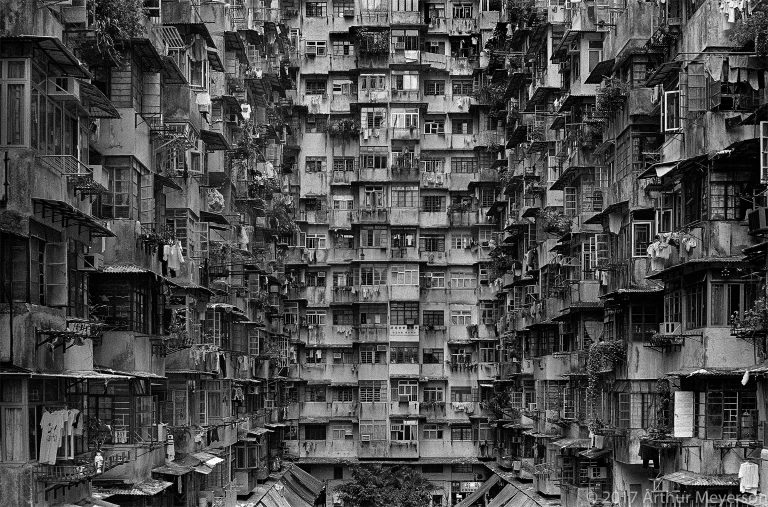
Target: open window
[(670, 118)]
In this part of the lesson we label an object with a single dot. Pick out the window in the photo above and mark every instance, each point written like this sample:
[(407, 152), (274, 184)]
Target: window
[(316, 317), (595, 53), (404, 354), (373, 82), (434, 280), (372, 391), (645, 320), (405, 81), (462, 469), (433, 356), (404, 432), (436, 47), (463, 165), (372, 118), (434, 87), (673, 303), (13, 93), (316, 241), (405, 5), (436, 126), (403, 238), (461, 317), (432, 243), (463, 280), (343, 8), (373, 275), (696, 300), (462, 10), (341, 432), (461, 394), (434, 394), (316, 86), (343, 47), (726, 411), (461, 126), (488, 313), (405, 275), (570, 201), (313, 356), (315, 164), (316, 124), (317, 47), (729, 299), (407, 40), (461, 433), (317, 9), (373, 160), (641, 238), (345, 203), (405, 118), (432, 432), (344, 394), (408, 390), (122, 197), (462, 87), (433, 318), (314, 431), (460, 241), (405, 196), (488, 354), (314, 393), (343, 163), (433, 203), (401, 314), (373, 430), (671, 112), (726, 201)]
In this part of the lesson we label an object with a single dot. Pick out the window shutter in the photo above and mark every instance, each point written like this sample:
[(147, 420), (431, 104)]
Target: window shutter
[(683, 419), (19, 271), (302, 238), (715, 91), (684, 94), (697, 89), (56, 287), (364, 238), (147, 204), (384, 241)]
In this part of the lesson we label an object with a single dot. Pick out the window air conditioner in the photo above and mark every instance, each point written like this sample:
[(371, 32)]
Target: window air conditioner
[(311, 51), (67, 88), (365, 438), (670, 328), (532, 407), (403, 399), (381, 348)]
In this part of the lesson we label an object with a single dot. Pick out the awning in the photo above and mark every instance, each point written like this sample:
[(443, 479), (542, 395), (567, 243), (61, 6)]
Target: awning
[(707, 372), (479, 492), (97, 104), (166, 181), (172, 468), (662, 73), (610, 209), (686, 478), (227, 308), (61, 55), (594, 453), (69, 215), (671, 168), (259, 431), (171, 73), (202, 469), (209, 459), (294, 488), (214, 218), (214, 141), (147, 55), (187, 286), (601, 70), (571, 443), (215, 60), (234, 42), (195, 28), (150, 487), (95, 502)]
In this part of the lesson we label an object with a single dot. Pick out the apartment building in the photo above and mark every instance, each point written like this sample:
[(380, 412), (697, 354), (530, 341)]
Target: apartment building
[(142, 352), (390, 308), (631, 255)]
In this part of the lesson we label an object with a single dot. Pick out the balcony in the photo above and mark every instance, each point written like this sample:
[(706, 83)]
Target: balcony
[(404, 253), (341, 103), (372, 216), (344, 295), (372, 293), (373, 96), (434, 180), (404, 332), (404, 216), (341, 219), (405, 133), (373, 333), (339, 177), (373, 174), (405, 56), (403, 449), (404, 408), (434, 219), (81, 469)]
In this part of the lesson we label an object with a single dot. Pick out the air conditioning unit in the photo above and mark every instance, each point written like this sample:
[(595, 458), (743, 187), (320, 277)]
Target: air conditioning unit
[(64, 88), (349, 13), (365, 438), (311, 51), (337, 355), (532, 407), (92, 262), (598, 472), (381, 348), (403, 399), (670, 328), (399, 45)]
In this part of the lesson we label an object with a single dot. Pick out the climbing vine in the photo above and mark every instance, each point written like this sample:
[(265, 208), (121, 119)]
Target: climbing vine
[(600, 357), (752, 30), (115, 21)]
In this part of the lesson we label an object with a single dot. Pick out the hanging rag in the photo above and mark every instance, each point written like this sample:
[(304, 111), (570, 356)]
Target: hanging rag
[(749, 478)]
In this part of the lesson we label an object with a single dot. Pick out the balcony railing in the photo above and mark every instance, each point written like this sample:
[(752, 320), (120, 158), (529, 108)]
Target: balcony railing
[(67, 165)]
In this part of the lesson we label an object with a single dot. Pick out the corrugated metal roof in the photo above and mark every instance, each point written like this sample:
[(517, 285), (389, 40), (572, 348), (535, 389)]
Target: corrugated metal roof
[(686, 478), (125, 268), (149, 487), (478, 494), (576, 443)]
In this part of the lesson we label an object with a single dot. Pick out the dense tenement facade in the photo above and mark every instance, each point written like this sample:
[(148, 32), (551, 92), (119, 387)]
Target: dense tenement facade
[(247, 246), (143, 353)]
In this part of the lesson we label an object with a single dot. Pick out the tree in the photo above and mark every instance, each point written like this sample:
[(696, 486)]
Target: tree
[(377, 486)]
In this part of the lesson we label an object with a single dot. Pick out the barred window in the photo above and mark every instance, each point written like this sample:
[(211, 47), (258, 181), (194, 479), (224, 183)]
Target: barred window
[(433, 318), (315, 164), (433, 203), (317, 9), (401, 314), (434, 356), (316, 87), (405, 196), (434, 87)]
